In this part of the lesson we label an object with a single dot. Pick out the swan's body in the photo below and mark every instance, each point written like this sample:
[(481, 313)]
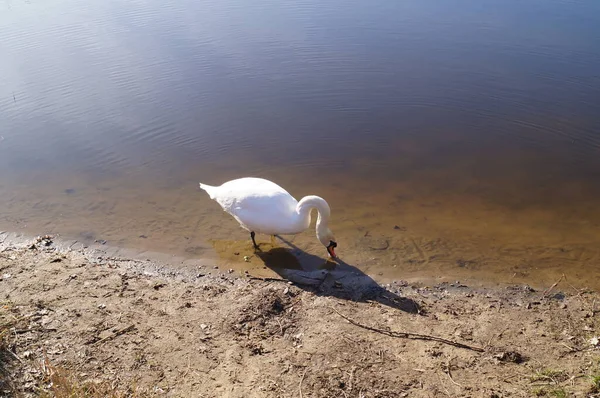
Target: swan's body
[(262, 206)]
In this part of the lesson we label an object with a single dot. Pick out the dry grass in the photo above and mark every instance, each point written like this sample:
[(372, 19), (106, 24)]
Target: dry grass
[(7, 358), (61, 383), (53, 381)]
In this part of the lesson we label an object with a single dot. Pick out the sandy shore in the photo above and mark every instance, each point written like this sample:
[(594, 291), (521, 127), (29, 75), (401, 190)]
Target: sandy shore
[(92, 321)]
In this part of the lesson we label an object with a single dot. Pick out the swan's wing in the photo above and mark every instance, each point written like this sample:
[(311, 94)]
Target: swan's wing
[(272, 214), (252, 194), (259, 205)]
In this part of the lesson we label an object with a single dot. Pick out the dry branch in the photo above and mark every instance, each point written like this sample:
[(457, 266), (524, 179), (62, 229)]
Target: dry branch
[(115, 334), (410, 335), (553, 286)]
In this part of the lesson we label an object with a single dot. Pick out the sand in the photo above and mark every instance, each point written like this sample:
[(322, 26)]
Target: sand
[(145, 328)]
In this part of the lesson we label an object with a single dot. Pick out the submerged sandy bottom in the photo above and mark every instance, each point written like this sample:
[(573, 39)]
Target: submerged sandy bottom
[(489, 226)]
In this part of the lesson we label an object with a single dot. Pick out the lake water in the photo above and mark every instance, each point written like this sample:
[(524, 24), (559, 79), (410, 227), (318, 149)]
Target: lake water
[(452, 139)]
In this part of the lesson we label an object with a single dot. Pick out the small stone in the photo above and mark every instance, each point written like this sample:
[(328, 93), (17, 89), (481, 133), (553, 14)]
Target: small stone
[(230, 271), (558, 296), (510, 356), (102, 306), (203, 326), (247, 259)]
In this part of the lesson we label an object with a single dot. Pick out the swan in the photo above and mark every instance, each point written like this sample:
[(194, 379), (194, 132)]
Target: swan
[(261, 206)]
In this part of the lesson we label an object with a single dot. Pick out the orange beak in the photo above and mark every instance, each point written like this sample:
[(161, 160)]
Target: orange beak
[(330, 249), (331, 252)]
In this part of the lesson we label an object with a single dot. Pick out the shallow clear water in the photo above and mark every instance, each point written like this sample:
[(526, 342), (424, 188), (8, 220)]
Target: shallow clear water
[(474, 128)]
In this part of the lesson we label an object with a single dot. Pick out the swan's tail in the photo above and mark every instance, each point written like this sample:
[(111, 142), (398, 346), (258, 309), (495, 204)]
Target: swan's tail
[(210, 190)]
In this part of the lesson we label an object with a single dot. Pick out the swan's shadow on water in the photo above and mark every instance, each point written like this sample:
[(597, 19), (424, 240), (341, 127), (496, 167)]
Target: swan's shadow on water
[(337, 279)]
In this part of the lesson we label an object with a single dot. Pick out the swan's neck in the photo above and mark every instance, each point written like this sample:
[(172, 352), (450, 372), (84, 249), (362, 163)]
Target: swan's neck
[(308, 203)]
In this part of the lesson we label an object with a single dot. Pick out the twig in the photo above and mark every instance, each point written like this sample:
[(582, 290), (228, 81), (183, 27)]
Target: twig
[(188, 368), (583, 300), (571, 349), (442, 384), (257, 278), (115, 334), (301, 380), (489, 343), (16, 356), (546, 292), (409, 335), (351, 378), (449, 372)]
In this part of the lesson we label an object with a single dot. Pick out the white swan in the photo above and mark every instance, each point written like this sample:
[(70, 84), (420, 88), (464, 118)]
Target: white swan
[(262, 206)]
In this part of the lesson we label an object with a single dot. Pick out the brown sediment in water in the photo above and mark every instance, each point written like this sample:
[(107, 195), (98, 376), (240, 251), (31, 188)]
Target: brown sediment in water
[(481, 225), (88, 320)]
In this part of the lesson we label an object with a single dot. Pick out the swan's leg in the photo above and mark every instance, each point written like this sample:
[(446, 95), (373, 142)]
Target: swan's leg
[(252, 235)]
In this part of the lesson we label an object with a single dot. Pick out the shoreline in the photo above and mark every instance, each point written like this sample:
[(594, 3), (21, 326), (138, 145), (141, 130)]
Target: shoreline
[(141, 326), (266, 266)]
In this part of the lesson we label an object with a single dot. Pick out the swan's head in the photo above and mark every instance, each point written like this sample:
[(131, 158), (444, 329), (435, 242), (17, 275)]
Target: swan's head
[(328, 240)]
